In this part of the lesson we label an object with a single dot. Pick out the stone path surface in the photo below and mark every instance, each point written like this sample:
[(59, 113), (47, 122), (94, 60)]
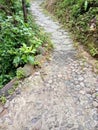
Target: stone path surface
[(62, 95)]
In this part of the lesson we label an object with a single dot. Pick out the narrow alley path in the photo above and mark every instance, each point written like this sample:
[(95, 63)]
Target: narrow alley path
[(63, 95)]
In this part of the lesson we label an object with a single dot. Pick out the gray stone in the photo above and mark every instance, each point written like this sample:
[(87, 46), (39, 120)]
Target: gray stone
[(25, 128), (28, 70), (63, 128), (35, 120), (82, 92), (6, 105), (41, 50), (1, 108), (95, 117), (38, 58), (96, 127), (95, 104), (74, 129), (70, 125), (18, 91), (80, 127), (88, 126), (82, 84), (80, 78), (77, 87), (50, 81), (94, 95)]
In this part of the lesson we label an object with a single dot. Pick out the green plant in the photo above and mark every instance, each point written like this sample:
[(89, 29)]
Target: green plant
[(96, 65), (20, 73), (50, 46), (10, 91), (77, 16), (3, 99), (19, 40), (37, 63), (93, 50)]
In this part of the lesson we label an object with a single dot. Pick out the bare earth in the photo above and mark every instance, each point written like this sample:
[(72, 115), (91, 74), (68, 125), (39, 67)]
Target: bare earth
[(62, 95)]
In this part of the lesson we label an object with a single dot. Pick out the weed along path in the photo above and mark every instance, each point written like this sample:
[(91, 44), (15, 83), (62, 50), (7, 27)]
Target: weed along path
[(62, 95)]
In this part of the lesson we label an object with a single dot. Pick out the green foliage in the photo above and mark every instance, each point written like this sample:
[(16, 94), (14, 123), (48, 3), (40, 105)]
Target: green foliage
[(37, 64), (18, 40), (92, 49), (77, 16), (3, 99), (20, 73)]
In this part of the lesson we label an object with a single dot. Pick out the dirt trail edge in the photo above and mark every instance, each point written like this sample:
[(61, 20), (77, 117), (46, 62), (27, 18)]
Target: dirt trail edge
[(63, 95)]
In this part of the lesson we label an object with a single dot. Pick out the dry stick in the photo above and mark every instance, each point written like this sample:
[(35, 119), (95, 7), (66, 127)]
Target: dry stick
[(24, 10)]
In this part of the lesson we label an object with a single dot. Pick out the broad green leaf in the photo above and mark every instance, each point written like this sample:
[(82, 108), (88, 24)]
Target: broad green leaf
[(85, 5), (16, 61), (30, 59)]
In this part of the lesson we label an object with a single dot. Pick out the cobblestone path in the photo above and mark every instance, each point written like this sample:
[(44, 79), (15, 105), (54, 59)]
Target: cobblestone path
[(63, 95)]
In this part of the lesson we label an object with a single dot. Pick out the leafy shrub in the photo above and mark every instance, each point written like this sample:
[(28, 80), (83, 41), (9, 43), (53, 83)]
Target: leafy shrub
[(18, 40), (20, 73), (77, 16)]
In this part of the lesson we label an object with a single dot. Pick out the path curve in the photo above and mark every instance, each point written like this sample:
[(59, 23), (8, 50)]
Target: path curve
[(63, 95)]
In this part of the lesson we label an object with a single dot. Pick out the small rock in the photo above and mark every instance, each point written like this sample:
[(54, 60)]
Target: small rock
[(28, 69), (4, 112), (41, 50), (6, 104), (70, 125), (95, 104), (25, 128), (77, 87), (38, 125), (94, 95), (37, 73), (82, 84), (96, 127), (95, 117), (1, 108), (1, 121), (76, 82), (82, 92), (59, 76), (18, 92), (38, 58), (81, 79), (88, 91), (50, 81), (96, 89), (80, 127), (74, 129)]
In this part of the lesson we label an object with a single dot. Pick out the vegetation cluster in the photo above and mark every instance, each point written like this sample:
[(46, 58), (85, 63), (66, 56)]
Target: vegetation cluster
[(20, 38), (80, 17)]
